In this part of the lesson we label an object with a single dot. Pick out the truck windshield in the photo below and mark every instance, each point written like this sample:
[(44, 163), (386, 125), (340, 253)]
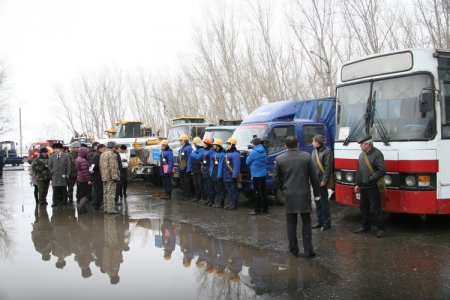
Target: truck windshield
[(224, 135), (175, 132), (245, 133), (128, 130), (395, 104)]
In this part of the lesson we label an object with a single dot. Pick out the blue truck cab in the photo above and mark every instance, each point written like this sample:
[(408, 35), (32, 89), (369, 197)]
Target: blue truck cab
[(275, 121)]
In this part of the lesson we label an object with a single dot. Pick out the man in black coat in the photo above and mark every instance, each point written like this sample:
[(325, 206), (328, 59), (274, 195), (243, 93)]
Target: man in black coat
[(294, 176), (366, 184), (2, 162), (322, 161), (97, 184)]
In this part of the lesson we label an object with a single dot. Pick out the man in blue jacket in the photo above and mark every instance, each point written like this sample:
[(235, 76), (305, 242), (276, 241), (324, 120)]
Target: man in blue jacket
[(216, 171), (166, 168), (194, 167), (257, 160), (183, 158), (232, 166), (208, 184)]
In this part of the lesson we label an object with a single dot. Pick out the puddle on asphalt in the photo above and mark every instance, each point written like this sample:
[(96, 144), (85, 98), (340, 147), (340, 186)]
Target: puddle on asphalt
[(114, 256)]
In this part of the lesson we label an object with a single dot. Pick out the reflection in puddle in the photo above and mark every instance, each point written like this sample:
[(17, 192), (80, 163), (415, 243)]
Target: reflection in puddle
[(221, 268)]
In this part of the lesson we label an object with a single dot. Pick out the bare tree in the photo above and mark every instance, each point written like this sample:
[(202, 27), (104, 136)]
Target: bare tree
[(67, 118), (434, 16)]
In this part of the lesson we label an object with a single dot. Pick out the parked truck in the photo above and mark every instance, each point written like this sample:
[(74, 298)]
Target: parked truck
[(10, 155), (275, 121)]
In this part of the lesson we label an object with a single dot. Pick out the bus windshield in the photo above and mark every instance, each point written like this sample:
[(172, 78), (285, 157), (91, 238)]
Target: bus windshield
[(395, 107), (245, 133)]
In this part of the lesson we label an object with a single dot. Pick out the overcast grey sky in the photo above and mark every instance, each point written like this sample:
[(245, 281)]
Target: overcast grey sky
[(50, 42)]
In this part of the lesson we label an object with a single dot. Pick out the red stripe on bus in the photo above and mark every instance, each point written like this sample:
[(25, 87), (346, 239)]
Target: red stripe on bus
[(400, 201), (413, 166)]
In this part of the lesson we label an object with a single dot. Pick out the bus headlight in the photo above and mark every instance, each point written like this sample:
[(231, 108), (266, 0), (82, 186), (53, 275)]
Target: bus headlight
[(338, 175), (423, 181), (410, 180), (388, 179), (349, 176)]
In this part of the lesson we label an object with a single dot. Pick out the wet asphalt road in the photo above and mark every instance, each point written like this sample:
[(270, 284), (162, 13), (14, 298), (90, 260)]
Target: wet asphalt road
[(156, 249)]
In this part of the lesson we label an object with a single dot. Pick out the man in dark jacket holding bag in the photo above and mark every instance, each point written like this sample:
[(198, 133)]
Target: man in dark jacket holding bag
[(322, 162), (370, 170), (294, 176)]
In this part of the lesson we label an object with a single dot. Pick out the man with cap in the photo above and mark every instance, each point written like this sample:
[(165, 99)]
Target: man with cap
[(257, 161), (183, 157), (60, 167), (322, 162), (370, 169), (109, 170), (195, 167), (43, 175), (73, 154)]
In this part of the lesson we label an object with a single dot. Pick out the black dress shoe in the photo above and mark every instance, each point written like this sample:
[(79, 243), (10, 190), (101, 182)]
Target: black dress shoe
[(307, 255), (316, 226)]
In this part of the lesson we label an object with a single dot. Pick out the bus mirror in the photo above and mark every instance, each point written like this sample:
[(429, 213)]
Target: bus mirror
[(426, 102)]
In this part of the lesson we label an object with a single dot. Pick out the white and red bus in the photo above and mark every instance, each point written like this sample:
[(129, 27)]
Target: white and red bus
[(402, 99)]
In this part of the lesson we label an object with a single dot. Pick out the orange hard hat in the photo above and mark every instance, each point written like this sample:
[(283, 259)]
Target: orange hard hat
[(207, 140)]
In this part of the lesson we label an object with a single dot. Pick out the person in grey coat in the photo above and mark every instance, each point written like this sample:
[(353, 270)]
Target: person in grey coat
[(294, 176), (59, 165)]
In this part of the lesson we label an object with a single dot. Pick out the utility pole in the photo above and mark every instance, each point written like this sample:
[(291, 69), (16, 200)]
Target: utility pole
[(20, 129), (328, 71)]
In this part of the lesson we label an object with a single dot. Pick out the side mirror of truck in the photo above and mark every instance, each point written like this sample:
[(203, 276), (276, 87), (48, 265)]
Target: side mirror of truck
[(426, 102)]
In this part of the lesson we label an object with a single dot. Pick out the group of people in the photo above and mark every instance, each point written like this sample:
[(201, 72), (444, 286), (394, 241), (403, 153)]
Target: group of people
[(214, 171), (296, 172), (99, 173)]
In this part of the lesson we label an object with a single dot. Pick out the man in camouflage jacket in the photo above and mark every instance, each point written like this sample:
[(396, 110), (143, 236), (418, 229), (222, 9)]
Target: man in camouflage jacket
[(43, 175), (109, 170)]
